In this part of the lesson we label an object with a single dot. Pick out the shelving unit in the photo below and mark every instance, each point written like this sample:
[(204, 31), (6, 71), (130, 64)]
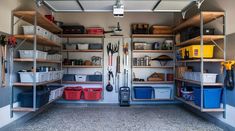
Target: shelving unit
[(36, 19), (200, 20), (68, 37), (153, 68)]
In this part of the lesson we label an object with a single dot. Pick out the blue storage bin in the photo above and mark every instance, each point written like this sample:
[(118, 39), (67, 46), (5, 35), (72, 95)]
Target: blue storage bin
[(26, 98), (143, 92), (212, 97)]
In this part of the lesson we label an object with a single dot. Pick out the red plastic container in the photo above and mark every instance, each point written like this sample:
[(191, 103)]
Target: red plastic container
[(92, 94), (95, 30), (50, 17), (72, 93)]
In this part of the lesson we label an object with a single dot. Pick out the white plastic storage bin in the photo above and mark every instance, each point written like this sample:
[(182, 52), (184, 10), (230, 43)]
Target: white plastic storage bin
[(207, 77), (54, 57), (83, 46), (162, 93), (81, 78), (29, 30), (27, 77), (29, 54), (71, 46)]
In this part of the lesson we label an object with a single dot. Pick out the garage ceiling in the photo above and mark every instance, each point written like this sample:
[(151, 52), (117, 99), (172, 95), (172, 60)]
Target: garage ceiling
[(107, 5)]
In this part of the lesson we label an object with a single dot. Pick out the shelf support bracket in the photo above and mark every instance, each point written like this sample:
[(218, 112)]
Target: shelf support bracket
[(199, 3), (18, 45), (19, 20), (217, 45)]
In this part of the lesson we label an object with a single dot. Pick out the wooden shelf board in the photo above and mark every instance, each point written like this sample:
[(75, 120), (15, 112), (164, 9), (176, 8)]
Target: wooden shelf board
[(40, 40), (199, 83), (152, 36), (82, 50), (206, 40), (153, 51), (153, 99), (25, 109), (87, 82), (38, 60), (191, 103), (81, 36), (163, 67), (42, 21), (195, 20), (153, 82), (31, 84), (199, 60), (77, 66)]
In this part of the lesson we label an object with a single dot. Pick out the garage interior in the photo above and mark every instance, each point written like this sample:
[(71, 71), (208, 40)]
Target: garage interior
[(117, 65)]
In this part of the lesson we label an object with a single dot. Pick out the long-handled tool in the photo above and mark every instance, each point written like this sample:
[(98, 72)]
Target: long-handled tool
[(125, 51), (3, 43), (109, 86), (229, 77), (118, 70)]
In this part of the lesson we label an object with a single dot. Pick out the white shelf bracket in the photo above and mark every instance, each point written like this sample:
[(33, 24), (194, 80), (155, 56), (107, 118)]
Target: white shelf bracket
[(217, 45), (199, 3)]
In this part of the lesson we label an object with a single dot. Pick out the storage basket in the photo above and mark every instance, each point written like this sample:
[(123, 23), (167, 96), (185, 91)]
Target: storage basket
[(187, 95), (92, 93), (162, 93), (212, 97), (27, 77), (72, 93), (29, 30), (83, 46), (81, 78), (155, 29), (29, 54), (95, 30)]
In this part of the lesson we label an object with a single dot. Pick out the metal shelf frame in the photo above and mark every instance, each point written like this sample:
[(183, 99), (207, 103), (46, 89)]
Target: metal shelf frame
[(134, 36), (35, 39), (202, 61)]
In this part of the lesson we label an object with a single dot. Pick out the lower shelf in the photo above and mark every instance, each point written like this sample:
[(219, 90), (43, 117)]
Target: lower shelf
[(153, 99), (28, 109), (37, 84), (190, 103), (86, 82), (153, 82)]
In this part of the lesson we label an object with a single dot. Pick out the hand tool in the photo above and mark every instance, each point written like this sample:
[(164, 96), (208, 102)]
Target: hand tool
[(118, 71), (229, 77), (109, 86), (109, 49), (125, 51), (3, 43)]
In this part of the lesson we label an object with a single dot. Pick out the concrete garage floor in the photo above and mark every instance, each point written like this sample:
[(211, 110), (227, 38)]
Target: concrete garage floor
[(114, 118)]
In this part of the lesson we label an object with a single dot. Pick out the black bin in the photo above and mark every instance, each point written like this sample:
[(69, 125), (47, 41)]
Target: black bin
[(26, 98)]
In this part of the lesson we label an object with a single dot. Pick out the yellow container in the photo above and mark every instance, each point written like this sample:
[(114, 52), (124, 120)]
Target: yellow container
[(194, 51)]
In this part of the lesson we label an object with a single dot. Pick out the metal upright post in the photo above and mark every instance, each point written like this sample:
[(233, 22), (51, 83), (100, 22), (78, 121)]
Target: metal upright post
[(202, 59), (10, 65), (34, 62), (225, 48)]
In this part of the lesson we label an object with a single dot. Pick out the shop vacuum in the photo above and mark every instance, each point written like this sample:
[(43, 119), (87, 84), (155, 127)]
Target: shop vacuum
[(124, 96)]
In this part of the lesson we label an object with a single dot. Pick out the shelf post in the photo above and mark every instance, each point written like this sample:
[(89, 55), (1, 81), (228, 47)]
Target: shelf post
[(34, 61), (202, 59)]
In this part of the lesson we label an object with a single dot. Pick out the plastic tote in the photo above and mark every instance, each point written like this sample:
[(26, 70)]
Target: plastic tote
[(212, 97), (92, 93), (195, 51), (72, 93), (143, 92), (162, 93)]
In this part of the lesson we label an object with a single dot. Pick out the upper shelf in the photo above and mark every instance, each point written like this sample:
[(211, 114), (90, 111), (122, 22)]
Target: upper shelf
[(42, 21), (199, 60), (153, 51), (81, 36), (196, 40), (40, 40), (151, 36), (82, 50), (195, 20)]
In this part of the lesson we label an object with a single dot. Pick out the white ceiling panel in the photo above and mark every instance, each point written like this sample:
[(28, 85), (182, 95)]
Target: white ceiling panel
[(107, 5), (98, 5), (172, 5), (64, 5), (139, 5)]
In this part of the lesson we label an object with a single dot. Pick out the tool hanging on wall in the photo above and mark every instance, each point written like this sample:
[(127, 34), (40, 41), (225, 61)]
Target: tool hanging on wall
[(109, 86), (115, 30), (229, 75), (111, 50), (118, 70), (125, 51), (3, 43)]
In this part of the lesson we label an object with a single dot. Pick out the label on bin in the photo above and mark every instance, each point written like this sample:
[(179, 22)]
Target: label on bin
[(195, 52)]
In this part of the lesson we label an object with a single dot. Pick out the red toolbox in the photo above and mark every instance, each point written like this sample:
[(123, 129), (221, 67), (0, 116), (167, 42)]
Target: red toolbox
[(72, 93), (95, 30), (92, 93)]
